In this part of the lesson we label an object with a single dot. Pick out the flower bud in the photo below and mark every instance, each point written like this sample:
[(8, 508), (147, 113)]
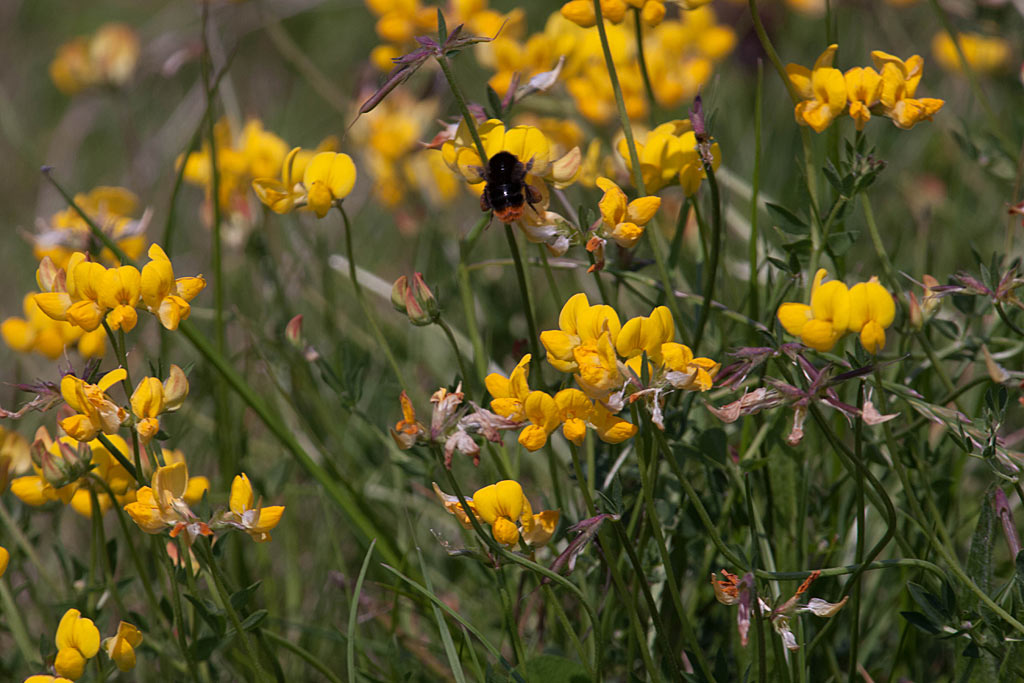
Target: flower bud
[(399, 291), (293, 331), (54, 470), (916, 315), (424, 297), (175, 389)]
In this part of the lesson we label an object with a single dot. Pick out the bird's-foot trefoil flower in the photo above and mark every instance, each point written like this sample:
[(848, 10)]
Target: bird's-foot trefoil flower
[(78, 640), (121, 646), (247, 515), (508, 512)]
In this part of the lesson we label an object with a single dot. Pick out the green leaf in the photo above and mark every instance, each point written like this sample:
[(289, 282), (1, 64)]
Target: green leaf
[(786, 220), (353, 614), (495, 101), (204, 647), (239, 599), (254, 619), (979, 557), (929, 603), (442, 27), (922, 622)]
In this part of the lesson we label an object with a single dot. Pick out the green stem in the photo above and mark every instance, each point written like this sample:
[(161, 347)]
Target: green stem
[(367, 311), (463, 109), (654, 234), (716, 243), (215, 250), (348, 504), (524, 291), (876, 241), (467, 377), (14, 622), (179, 616), (652, 102), (225, 599), (96, 231), (755, 182), (466, 293), (946, 553)]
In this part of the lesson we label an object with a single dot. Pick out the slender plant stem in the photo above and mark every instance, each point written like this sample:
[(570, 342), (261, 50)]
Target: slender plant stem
[(179, 617), (467, 377), (524, 292), (755, 188), (367, 311), (96, 230), (716, 243), (654, 235), (460, 99), (652, 102)]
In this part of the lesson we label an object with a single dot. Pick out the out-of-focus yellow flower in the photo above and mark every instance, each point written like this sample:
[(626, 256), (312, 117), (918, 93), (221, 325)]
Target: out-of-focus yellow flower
[(508, 394), (681, 54), (825, 321), (96, 412), (121, 646), (42, 334), (864, 90), (5, 557), (254, 520), (108, 58), (504, 507), (581, 12), (15, 457), (668, 154), (152, 398), (78, 640), (46, 678), (823, 90), (984, 54), (899, 85), (163, 505), (166, 297), (110, 208), (871, 311)]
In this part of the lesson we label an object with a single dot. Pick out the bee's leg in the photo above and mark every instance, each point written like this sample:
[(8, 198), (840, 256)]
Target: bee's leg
[(485, 204), (533, 196)]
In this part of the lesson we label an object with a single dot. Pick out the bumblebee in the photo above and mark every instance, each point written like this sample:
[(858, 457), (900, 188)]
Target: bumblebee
[(506, 191)]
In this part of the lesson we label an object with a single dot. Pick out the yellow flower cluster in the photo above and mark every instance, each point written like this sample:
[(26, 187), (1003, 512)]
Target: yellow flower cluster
[(39, 333), (399, 21), (571, 409), (889, 89), (253, 153), (86, 294), (166, 504), (106, 58), (390, 137), (109, 208), (326, 178), (506, 509), (668, 155), (984, 54), (867, 309), (680, 55), (621, 220), (590, 341), (651, 12), (78, 641)]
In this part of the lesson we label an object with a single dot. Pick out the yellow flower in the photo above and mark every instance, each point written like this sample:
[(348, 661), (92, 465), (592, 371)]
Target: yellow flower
[(864, 89), (871, 311), (543, 414), (509, 393), (281, 195), (96, 412), (686, 372), (110, 208), (648, 334), (5, 557), (163, 505), (42, 334), (821, 324), (119, 291), (579, 323), (328, 178), (823, 90), (504, 507), (256, 521), (668, 154), (121, 647), (984, 54), (574, 411), (152, 397), (899, 85), (611, 429), (107, 57), (46, 678), (78, 640), (73, 294), (624, 222), (166, 297)]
